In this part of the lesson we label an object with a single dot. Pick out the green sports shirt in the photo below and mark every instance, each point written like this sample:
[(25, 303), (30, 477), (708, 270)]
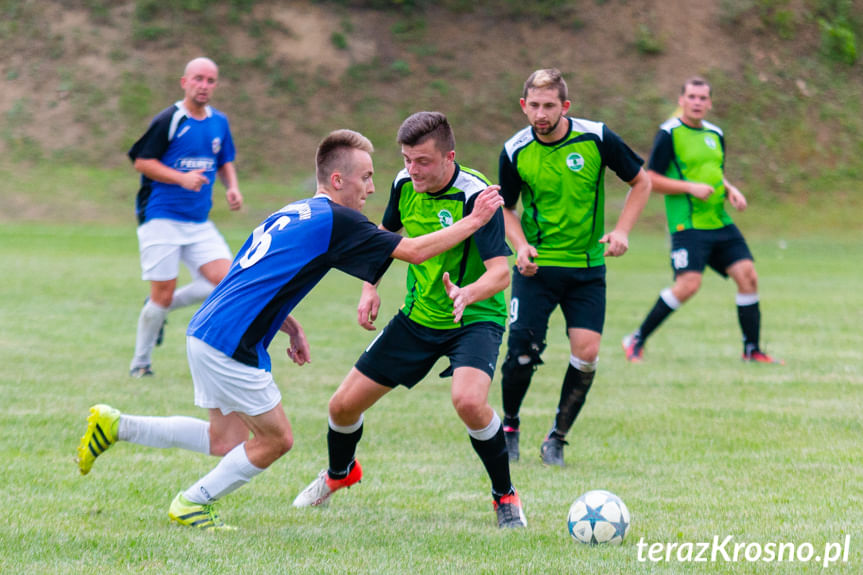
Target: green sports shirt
[(682, 152), (427, 302), (562, 189)]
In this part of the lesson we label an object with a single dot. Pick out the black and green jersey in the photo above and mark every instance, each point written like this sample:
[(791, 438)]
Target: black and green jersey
[(562, 189), (427, 302), (682, 152)]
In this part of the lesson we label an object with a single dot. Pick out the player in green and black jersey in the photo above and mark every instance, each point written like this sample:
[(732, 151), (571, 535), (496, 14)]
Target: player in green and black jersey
[(557, 167), (687, 165), (454, 308)]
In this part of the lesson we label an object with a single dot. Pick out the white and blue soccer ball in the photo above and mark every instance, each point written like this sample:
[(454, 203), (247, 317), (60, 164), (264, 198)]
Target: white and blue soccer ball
[(598, 516)]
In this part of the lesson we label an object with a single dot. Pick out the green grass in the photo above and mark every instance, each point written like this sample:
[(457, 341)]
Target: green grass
[(696, 443)]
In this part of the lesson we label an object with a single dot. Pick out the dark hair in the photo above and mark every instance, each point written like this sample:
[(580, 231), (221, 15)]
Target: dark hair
[(419, 127), (696, 81), (547, 78), (333, 151)]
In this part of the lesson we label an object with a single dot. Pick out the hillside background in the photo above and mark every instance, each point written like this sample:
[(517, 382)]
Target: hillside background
[(82, 78)]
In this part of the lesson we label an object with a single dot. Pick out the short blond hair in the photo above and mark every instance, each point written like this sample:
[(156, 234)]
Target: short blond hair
[(332, 154), (547, 78)]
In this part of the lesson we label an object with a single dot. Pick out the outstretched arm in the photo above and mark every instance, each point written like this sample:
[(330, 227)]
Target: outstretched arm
[(419, 249), (617, 240)]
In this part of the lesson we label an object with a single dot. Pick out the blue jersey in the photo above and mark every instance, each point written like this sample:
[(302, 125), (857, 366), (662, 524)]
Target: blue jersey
[(283, 259), (186, 144)]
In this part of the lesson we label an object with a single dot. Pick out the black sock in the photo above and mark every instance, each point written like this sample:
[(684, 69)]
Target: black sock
[(342, 447), (514, 382), (495, 458), (656, 316), (573, 394), (750, 324)]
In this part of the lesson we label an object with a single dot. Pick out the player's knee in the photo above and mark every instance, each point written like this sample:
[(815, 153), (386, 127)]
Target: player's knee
[(469, 406), (283, 443), (524, 353), (687, 286), (341, 411)]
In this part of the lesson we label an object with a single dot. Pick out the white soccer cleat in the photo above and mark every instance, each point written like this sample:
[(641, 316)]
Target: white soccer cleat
[(318, 492)]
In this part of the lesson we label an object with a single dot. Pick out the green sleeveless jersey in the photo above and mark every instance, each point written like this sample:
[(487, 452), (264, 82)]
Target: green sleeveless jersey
[(427, 302), (682, 152), (562, 189)]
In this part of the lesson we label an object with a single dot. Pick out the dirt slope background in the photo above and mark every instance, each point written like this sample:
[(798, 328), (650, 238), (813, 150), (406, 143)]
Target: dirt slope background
[(80, 79)]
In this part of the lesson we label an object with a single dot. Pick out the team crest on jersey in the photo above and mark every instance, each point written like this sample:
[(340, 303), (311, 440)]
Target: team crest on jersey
[(574, 162), (710, 140), (445, 218), (217, 145)]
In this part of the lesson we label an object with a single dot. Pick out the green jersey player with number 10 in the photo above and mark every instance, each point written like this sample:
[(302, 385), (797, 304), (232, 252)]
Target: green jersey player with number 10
[(557, 167), (687, 165), (454, 308)]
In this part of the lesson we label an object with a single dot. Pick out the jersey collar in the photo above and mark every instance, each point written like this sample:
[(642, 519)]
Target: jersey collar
[(182, 107)]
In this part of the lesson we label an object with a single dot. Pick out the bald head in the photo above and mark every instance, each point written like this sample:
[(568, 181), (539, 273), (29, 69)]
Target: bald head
[(198, 63), (199, 82)]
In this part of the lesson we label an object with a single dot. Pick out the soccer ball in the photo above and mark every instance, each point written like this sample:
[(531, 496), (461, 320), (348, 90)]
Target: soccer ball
[(598, 516)]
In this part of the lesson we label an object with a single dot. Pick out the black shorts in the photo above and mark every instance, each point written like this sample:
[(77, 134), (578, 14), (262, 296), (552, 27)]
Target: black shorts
[(692, 250), (405, 351), (580, 292)]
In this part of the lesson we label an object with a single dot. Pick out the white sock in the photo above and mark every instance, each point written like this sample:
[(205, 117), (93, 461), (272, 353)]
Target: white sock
[(581, 365), (744, 299), (149, 323), (175, 431), (192, 293), (488, 431), (669, 298), (232, 472)]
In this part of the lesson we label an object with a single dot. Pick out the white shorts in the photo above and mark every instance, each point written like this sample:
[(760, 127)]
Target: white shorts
[(226, 384), (163, 243)]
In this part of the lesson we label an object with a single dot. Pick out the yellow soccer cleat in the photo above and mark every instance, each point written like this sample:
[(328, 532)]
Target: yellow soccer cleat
[(197, 515), (102, 424)]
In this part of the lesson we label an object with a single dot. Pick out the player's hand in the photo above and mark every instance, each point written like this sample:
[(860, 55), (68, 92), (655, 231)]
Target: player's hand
[(699, 190), (460, 297), (486, 204), (735, 198), (194, 180), (524, 261), (234, 198), (369, 306), (616, 243), (299, 350)]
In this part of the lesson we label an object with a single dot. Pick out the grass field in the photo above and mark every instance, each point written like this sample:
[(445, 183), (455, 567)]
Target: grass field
[(696, 443)]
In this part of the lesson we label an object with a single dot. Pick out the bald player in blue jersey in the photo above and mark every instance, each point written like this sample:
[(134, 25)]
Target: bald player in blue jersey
[(187, 146), (227, 339)]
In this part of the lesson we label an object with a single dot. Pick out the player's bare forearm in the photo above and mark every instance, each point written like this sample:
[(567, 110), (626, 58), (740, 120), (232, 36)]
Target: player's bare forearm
[(369, 306), (636, 199), (525, 253), (159, 172), (228, 176), (419, 249), (662, 184), (494, 280)]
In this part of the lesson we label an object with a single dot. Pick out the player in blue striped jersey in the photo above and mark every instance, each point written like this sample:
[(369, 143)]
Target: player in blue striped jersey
[(185, 149), (283, 259)]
